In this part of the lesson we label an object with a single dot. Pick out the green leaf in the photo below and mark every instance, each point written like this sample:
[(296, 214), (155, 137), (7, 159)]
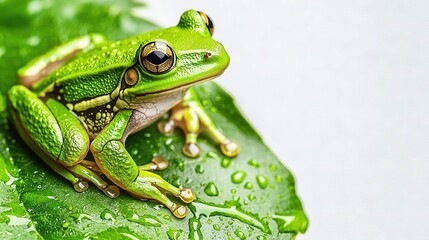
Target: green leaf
[(250, 196)]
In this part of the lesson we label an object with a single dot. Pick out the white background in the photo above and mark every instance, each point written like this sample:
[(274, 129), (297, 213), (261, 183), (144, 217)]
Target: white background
[(339, 90)]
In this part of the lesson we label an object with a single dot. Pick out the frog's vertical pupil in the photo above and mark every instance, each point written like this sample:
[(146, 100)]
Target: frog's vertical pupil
[(157, 57), (209, 23)]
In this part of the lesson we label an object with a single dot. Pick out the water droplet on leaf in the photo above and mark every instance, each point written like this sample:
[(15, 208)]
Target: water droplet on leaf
[(238, 177), (211, 190), (262, 181), (225, 162)]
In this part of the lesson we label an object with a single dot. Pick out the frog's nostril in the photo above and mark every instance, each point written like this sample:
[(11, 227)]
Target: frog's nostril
[(207, 55)]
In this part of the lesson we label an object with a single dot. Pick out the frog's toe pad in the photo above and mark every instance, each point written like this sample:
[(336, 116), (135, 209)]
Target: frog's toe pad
[(179, 211), (81, 186), (161, 163), (191, 149), (112, 191), (186, 195), (166, 128), (230, 148)]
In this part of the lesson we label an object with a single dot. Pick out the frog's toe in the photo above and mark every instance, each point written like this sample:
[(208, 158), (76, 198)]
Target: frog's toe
[(160, 163), (157, 163), (186, 195), (230, 148), (81, 186), (191, 149), (166, 128), (179, 211), (112, 191)]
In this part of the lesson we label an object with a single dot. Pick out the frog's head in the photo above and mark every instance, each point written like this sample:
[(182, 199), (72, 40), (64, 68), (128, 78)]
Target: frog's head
[(176, 58)]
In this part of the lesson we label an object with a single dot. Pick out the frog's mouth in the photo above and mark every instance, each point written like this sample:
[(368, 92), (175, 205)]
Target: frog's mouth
[(181, 87)]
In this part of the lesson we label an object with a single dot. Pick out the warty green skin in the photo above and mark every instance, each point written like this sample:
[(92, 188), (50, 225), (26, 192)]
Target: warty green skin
[(85, 104)]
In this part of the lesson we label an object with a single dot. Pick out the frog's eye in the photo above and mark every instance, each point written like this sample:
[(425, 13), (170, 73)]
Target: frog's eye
[(208, 21), (157, 57)]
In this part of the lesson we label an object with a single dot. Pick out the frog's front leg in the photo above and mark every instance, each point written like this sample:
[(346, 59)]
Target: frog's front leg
[(116, 163), (190, 116), (44, 64), (56, 135)]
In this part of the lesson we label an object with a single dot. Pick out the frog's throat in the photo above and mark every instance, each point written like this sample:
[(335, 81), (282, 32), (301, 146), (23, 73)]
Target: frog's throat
[(178, 88)]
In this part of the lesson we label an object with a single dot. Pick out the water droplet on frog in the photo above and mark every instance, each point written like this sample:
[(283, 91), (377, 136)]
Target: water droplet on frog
[(261, 238), (279, 178), (238, 177), (273, 167), (199, 169), (262, 181), (248, 185), (108, 215), (211, 190), (225, 162)]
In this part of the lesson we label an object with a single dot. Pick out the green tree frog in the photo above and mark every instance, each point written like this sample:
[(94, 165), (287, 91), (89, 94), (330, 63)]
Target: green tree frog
[(88, 94)]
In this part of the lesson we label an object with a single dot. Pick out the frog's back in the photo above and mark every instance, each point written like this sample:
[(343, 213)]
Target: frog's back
[(102, 66)]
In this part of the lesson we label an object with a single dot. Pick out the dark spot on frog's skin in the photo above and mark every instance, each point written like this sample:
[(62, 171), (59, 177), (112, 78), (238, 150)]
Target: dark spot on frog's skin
[(88, 116)]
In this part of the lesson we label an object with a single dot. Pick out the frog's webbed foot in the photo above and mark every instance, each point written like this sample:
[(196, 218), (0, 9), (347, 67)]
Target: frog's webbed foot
[(190, 116), (149, 185), (158, 188)]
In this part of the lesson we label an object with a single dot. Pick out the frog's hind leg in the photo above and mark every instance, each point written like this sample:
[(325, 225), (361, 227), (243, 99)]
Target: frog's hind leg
[(116, 163), (56, 135), (190, 116), (41, 66)]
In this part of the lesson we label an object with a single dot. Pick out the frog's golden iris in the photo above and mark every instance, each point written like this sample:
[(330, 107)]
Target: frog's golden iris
[(157, 57), (208, 21)]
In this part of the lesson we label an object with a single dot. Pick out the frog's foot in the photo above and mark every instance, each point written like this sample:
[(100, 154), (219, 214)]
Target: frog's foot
[(85, 175), (151, 186), (190, 116)]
